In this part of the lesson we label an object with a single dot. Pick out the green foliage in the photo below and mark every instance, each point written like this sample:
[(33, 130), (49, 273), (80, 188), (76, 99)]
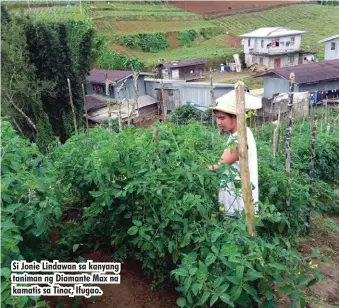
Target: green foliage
[(37, 59), (29, 207), (152, 42), (208, 33), (187, 37), (129, 41), (44, 137), (156, 202), (111, 60), (186, 114)]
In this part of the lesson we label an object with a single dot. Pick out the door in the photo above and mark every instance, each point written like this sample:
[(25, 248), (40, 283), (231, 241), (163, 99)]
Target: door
[(276, 63)]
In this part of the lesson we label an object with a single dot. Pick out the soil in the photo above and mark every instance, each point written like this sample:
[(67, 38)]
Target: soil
[(222, 8), (134, 290), (173, 39), (233, 41)]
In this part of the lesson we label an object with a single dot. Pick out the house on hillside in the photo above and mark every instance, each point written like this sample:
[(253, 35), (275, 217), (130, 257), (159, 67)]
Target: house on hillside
[(274, 48), (182, 70), (331, 47), (96, 83), (321, 79), (121, 89)]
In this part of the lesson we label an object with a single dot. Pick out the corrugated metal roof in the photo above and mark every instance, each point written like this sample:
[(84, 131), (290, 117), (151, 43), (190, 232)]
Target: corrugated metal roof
[(183, 63), (99, 76), (308, 73), (272, 32), (329, 38)]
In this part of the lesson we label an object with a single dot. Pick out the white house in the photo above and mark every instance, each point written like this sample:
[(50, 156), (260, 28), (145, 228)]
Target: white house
[(331, 47), (275, 47)]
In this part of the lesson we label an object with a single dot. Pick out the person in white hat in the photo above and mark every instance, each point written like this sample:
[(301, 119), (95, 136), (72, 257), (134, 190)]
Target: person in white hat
[(229, 197)]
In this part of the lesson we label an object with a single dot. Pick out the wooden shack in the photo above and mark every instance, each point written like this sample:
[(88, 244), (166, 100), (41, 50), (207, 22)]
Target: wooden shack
[(182, 69)]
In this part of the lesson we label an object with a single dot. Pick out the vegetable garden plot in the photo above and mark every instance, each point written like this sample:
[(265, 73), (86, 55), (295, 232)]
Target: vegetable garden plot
[(156, 202)]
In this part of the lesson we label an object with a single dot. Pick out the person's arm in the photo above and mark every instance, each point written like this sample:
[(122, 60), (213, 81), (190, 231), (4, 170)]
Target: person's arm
[(230, 156)]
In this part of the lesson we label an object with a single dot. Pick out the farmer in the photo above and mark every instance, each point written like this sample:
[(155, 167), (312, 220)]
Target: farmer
[(225, 113)]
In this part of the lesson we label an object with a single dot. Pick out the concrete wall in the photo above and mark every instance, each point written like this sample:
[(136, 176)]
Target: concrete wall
[(332, 54)]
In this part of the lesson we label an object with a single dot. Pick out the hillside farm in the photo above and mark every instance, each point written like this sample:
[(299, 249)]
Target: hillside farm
[(117, 19), (102, 162)]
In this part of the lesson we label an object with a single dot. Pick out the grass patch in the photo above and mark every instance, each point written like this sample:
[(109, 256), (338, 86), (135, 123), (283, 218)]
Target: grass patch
[(251, 83)]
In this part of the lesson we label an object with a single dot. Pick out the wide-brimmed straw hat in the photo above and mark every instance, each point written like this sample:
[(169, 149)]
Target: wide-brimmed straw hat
[(227, 103)]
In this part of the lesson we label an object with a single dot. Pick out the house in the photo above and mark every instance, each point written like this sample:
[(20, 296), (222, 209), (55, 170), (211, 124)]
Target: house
[(97, 108), (321, 79), (331, 47), (121, 90), (122, 80), (180, 92), (275, 47), (182, 70)]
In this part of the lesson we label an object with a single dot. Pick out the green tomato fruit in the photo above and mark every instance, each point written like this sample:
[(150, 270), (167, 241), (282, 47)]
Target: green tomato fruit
[(221, 209)]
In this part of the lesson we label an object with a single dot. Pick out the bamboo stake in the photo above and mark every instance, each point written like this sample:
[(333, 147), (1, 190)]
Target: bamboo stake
[(136, 95), (109, 105), (243, 158), (72, 105), (212, 97), (311, 168), (288, 139), (162, 101), (275, 136), (85, 109)]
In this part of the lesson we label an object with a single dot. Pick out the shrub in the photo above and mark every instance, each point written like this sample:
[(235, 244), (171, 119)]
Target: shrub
[(187, 37), (152, 42)]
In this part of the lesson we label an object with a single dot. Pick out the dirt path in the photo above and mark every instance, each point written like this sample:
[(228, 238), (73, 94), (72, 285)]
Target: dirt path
[(323, 249), (134, 290)]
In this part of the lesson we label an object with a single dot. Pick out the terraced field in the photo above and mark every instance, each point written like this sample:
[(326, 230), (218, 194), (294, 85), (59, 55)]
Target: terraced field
[(133, 27), (319, 21)]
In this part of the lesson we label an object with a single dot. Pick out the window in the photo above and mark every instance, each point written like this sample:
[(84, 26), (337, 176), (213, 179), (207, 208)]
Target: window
[(249, 42), (261, 60), (332, 45), (262, 43), (254, 59), (292, 40), (290, 59)]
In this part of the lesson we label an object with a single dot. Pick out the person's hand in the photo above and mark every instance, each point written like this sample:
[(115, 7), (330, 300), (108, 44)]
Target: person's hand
[(211, 168)]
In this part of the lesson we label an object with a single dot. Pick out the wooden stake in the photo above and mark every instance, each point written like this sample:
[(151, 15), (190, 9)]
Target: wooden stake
[(162, 101), (85, 109), (72, 105), (275, 136), (288, 139), (311, 169), (243, 158), (212, 97)]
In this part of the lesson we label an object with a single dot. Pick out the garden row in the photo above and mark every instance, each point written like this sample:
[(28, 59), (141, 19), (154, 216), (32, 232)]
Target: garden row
[(149, 195)]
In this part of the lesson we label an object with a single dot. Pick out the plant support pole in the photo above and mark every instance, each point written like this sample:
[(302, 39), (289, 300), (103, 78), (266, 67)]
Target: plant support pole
[(312, 156), (243, 158), (212, 97), (288, 139), (85, 109), (72, 105), (109, 104)]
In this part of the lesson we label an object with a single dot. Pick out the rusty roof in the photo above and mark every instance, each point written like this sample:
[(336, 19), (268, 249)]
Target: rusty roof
[(183, 63), (99, 76), (308, 73)]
